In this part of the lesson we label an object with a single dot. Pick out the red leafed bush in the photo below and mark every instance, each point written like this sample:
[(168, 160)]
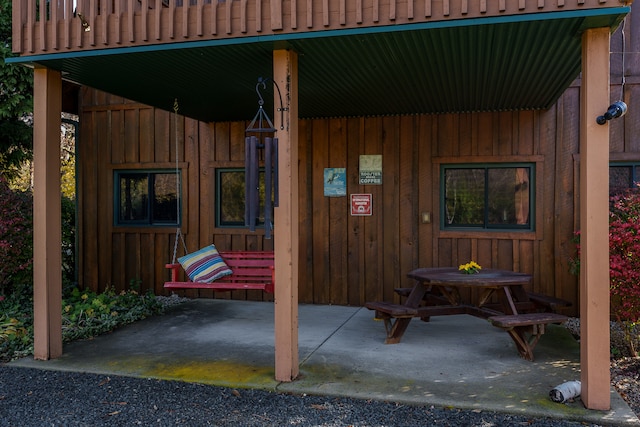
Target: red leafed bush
[(16, 238), (624, 262), (624, 253)]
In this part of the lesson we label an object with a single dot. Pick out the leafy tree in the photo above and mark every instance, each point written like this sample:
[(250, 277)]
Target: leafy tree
[(16, 102)]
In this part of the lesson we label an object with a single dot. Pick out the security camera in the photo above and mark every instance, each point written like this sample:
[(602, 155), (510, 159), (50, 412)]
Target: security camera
[(615, 110)]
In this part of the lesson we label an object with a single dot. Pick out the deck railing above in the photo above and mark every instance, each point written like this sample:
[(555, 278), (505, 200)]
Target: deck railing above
[(53, 26)]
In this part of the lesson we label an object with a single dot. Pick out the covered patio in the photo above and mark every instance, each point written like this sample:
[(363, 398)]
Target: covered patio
[(456, 51)]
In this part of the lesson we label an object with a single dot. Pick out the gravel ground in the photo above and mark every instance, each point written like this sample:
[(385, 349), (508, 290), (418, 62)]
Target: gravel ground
[(30, 397), (625, 376)]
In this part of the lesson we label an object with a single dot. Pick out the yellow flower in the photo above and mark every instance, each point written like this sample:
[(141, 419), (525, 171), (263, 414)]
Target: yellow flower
[(471, 267), (84, 297)]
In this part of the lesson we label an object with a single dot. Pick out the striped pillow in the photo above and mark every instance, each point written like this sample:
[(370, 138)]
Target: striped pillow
[(205, 265)]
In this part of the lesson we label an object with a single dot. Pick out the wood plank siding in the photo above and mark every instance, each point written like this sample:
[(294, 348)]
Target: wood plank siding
[(348, 259), (344, 259), (56, 26)]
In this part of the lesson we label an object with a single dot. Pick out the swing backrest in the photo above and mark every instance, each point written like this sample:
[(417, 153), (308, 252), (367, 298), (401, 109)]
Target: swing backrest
[(251, 270), (249, 267)]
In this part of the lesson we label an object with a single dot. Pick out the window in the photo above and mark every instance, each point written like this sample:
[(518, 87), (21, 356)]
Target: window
[(623, 176), (494, 196), (230, 202), (146, 198)]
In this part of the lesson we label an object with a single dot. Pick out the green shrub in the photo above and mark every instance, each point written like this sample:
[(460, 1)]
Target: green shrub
[(16, 323), (85, 314)]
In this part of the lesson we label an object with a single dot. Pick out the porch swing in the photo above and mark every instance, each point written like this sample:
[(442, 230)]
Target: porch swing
[(222, 271)]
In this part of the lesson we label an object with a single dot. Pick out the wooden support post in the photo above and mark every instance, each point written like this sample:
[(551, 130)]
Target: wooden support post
[(285, 75), (594, 221), (47, 258)]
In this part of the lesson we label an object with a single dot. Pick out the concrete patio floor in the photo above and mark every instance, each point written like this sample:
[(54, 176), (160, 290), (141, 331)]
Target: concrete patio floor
[(452, 361)]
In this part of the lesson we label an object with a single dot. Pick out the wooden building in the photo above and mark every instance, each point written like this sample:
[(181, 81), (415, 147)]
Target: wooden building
[(436, 89)]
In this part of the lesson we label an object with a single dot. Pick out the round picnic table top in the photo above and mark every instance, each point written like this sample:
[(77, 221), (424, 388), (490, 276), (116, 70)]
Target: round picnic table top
[(451, 276)]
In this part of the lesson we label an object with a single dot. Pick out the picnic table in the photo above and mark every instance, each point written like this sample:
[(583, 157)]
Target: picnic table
[(436, 292)]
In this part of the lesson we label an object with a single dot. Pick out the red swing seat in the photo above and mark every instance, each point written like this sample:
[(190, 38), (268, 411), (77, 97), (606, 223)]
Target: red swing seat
[(251, 270)]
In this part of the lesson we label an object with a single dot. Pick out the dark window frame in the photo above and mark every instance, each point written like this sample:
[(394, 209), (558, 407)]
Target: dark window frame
[(148, 221), (634, 176), (486, 226)]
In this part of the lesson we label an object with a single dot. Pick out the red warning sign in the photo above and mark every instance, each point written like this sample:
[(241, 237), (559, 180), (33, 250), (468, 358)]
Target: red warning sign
[(361, 204)]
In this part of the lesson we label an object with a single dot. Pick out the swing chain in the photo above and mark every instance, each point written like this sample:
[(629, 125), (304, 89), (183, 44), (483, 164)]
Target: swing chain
[(179, 235)]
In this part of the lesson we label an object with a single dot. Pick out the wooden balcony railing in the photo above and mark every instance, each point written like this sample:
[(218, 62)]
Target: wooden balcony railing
[(54, 26)]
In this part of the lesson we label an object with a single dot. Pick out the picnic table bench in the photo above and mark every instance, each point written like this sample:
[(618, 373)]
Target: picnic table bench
[(550, 303), (522, 314), (526, 329)]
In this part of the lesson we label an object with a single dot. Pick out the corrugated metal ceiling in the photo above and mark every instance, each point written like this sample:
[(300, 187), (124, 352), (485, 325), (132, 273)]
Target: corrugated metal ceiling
[(404, 70)]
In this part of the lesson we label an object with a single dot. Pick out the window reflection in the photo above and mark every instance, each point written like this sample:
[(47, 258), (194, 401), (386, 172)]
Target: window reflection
[(487, 196), (230, 201), (146, 198)]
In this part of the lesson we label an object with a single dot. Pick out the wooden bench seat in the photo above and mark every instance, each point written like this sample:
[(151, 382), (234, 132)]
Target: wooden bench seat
[(396, 318), (391, 310), (526, 329), (251, 271), (507, 321), (548, 302)]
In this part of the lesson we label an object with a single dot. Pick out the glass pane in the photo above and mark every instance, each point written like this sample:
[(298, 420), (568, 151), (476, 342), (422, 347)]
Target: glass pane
[(509, 195), (133, 197), (231, 198), (165, 202), (464, 197), (619, 178)]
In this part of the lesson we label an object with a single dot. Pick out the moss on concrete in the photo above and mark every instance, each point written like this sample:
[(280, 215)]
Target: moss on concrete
[(226, 373)]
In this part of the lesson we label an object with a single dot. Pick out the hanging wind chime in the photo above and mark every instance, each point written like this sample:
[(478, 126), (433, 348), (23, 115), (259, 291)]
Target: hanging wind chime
[(261, 125)]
